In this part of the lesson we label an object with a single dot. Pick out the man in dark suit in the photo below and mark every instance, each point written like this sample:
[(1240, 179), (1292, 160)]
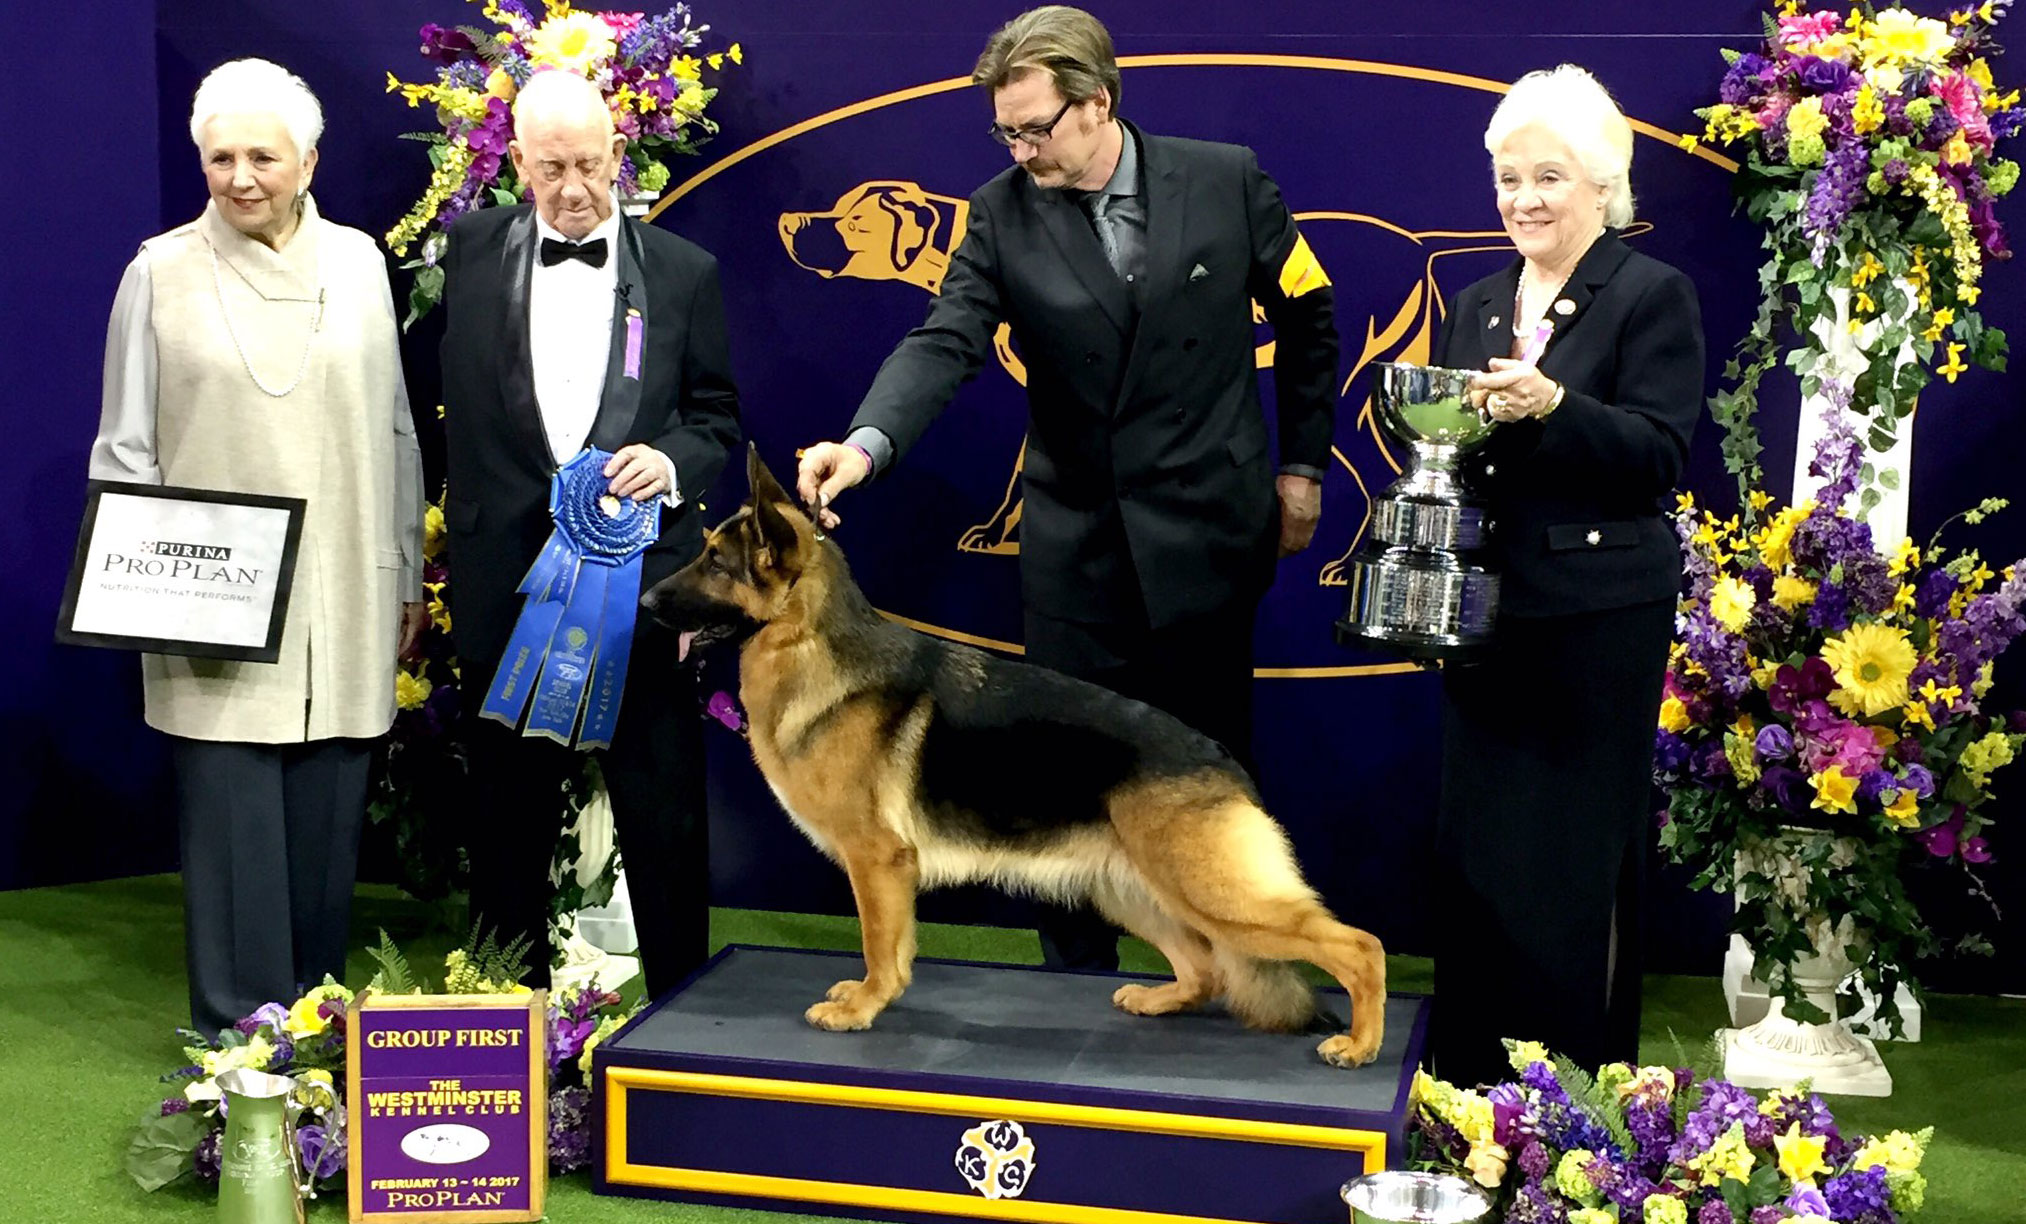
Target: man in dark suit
[(1126, 264), (542, 357)]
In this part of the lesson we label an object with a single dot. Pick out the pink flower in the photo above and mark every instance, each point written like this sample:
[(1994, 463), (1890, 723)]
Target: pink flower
[(622, 23), (1976, 850), (1966, 103), (1801, 29)]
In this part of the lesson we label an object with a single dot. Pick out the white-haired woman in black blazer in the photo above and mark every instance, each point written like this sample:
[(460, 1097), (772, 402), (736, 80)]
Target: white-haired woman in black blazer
[(1594, 366)]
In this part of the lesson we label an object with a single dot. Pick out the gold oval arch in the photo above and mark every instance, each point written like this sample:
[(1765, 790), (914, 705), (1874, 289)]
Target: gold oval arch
[(1184, 60)]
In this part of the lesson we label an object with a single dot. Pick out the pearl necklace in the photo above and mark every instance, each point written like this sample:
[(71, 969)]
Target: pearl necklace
[(316, 325)]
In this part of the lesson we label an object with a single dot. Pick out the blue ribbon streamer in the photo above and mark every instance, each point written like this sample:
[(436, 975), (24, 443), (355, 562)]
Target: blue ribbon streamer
[(565, 665)]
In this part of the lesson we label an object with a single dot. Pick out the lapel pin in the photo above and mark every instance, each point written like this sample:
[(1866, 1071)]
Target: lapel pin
[(1494, 321), (1198, 272), (1565, 306)]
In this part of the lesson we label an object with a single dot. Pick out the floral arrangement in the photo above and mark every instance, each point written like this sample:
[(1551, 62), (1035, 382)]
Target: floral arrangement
[(305, 1040), (1870, 159), (1659, 1145), (1820, 684), (420, 769), (647, 67)]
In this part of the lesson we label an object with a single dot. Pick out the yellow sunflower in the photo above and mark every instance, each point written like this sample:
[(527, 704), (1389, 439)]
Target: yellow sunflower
[(1730, 602), (574, 42), (1871, 663)]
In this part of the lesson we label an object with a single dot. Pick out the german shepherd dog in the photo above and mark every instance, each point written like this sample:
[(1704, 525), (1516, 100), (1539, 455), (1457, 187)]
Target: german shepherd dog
[(913, 762)]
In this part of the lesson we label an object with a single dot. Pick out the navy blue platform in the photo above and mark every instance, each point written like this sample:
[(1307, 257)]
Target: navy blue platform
[(989, 1092)]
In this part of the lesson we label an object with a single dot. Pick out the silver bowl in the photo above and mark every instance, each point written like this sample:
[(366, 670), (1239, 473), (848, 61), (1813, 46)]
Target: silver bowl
[(1401, 1197), (1429, 404)]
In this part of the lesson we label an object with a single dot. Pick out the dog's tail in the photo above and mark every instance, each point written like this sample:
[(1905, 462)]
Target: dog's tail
[(1264, 994)]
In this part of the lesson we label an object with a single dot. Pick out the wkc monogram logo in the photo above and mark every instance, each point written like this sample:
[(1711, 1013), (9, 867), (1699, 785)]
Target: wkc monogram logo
[(997, 1159)]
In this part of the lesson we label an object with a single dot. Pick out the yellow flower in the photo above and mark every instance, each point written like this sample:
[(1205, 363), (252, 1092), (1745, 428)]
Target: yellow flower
[(314, 1089), (1778, 537), (1969, 293), (1766, 673), (737, 54), (1871, 663), (1916, 714), (1760, 499), (1801, 1155), (1731, 601), (1898, 1151), (1730, 1156), (606, 1027), (1885, 78), (306, 1019), (1864, 304), (500, 85), (1790, 592), (1688, 144), (1896, 36), (1954, 365), (1902, 599), (439, 612), (574, 42), (1806, 119), (1904, 810), (1979, 686), (1985, 757), (1868, 270), (1486, 1162), (1957, 151), (432, 532), (1867, 113), (410, 690), (1835, 791), (1939, 324)]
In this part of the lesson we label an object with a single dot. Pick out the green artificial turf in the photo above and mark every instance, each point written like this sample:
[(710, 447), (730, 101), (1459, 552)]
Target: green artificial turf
[(91, 987)]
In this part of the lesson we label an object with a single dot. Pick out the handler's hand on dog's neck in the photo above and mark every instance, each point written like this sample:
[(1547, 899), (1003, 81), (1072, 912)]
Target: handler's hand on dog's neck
[(825, 470)]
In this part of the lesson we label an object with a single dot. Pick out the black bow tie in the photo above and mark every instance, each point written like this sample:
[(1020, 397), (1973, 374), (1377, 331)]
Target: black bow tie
[(592, 252)]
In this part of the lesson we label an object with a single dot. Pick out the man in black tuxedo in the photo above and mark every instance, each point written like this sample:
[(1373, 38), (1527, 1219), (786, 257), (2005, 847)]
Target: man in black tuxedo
[(1126, 264), (539, 362)]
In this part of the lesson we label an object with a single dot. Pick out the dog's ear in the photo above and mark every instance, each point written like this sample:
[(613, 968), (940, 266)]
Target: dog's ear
[(772, 508)]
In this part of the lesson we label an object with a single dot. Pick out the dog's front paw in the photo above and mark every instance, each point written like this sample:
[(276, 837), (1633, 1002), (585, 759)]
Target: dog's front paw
[(1349, 1050), (850, 1005), (1162, 1000)]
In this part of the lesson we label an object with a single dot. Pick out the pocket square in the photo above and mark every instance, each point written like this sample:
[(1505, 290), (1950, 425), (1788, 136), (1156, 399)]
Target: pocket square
[(1198, 273)]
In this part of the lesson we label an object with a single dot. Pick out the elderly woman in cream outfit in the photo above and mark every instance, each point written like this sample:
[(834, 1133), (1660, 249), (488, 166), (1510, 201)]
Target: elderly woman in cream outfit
[(253, 350)]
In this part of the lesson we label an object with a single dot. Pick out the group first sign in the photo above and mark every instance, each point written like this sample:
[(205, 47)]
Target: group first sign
[(448, 1099)]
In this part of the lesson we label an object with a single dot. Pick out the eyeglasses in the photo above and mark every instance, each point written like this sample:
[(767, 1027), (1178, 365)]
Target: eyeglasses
[(1033, 136)]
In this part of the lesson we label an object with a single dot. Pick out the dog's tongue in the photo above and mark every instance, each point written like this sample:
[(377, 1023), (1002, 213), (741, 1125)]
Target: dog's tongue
[(682, 645)]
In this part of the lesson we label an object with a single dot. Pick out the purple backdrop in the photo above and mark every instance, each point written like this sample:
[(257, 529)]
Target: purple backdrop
[(1370, 123)]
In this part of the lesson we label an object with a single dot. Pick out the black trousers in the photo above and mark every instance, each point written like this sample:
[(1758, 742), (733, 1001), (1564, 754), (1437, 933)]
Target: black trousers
[(1199, 670), (654, 773), (1547, 756), (270, 843)]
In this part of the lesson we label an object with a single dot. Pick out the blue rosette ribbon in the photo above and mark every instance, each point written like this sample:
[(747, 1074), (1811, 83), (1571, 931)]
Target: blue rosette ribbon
[(565, 665)]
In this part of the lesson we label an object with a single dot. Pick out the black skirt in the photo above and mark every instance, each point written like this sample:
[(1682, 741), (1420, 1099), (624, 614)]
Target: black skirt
[(1547, 752)]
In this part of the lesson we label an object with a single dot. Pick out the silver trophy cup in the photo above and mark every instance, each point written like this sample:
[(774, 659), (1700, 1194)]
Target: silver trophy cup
[(1419, 585)]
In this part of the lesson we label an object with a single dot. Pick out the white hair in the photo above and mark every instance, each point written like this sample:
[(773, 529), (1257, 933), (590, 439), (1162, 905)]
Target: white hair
[(1571, 105), (258, 87), (554, 93)]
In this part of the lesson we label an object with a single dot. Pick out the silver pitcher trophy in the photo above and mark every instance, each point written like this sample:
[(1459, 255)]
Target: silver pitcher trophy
[(1419, 585)]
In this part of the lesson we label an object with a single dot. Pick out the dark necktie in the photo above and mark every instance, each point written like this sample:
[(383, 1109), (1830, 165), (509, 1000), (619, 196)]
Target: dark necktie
[(592, 252), (1096, 205)]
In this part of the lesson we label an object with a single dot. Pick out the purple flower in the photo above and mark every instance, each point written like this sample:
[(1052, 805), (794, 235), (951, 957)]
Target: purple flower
[(1896, 171), (323, 1154), (1831, 609), (1917, 779), (445, 46), (1773, 743), (1715, 1212), (1940, 841), (1872, 586), (1742, 82), (725, 708), (1807, 1200), (1976, 850), (1508, 1104), (174, 1105), (1769, 1214), (205, 1159), (1838, 188), (1533, 1160), (1670, 755), (569, 1130), (1931, 597), (1723, 1103), (1792, 685), (1788, 787), (1869, 784), (1855, 1193), (1822, 76)]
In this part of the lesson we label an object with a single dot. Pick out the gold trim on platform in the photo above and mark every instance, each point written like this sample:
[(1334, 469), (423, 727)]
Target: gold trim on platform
[(619, 1169)]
